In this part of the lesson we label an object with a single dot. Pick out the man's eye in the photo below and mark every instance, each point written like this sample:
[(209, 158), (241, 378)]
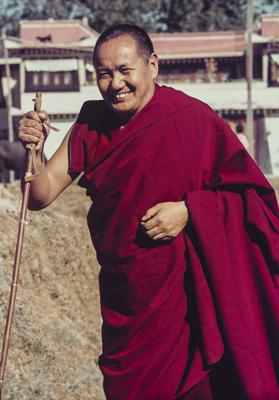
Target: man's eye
[(103, 75), (125, 71)]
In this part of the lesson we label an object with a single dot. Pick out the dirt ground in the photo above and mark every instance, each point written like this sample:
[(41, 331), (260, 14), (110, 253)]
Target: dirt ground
[(56, 333)]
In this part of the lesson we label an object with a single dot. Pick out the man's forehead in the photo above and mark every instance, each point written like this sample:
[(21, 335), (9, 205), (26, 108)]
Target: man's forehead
[(125, 47), (122, 40), (125, 36)]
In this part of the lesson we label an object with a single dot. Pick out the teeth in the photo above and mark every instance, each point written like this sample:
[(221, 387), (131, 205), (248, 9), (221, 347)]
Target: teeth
[(122, 95)]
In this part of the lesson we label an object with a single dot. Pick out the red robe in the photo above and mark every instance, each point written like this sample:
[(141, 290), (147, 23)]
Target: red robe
[(174, 310)]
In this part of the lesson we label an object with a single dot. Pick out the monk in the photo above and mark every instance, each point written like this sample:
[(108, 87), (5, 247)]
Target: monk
[(186, 234)]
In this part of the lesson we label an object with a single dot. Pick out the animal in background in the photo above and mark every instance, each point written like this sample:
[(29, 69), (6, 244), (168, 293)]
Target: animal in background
[(12, 156)]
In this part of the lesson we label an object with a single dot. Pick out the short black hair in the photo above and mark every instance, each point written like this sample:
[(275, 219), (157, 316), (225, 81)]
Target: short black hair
[(145, 46)]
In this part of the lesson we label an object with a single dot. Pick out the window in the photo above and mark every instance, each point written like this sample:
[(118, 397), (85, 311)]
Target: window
[(45, 78), (56, 79), (67, 78), (35, 78)]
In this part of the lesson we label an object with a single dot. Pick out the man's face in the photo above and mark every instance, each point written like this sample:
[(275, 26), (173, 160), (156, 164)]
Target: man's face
[(125, 79)]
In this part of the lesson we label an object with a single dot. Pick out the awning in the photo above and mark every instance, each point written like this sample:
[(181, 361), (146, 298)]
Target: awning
[(69, 64), (275, 58)]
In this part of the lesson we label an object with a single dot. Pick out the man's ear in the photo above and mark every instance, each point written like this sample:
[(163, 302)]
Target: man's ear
[(154, 65)]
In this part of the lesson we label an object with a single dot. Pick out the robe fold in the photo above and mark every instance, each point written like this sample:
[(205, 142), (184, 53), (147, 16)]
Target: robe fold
[(174, 310)]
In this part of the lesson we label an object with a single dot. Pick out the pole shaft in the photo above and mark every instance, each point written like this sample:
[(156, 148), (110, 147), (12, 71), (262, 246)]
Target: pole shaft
[(16, 268), (249, 77), (9, 101)]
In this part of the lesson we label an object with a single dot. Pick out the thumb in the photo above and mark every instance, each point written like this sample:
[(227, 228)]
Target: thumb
[(45, 121), (43, 116)]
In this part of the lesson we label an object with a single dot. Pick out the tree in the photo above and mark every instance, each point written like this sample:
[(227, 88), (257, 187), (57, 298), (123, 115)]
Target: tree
[(169, 15), (206, 15), (12, 11), (146, 14), (265, 6), (153, 15)]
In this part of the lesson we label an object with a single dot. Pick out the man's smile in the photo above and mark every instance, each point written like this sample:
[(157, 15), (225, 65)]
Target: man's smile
[(121, 96)]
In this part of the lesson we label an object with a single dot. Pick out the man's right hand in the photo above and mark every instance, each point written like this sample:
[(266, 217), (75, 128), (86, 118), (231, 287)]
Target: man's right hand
[(34, 128), (54, 176)]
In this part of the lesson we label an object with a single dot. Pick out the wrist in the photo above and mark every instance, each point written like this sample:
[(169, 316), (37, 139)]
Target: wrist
[(186, 212)]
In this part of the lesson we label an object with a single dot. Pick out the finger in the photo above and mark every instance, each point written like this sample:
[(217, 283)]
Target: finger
[(154, 231), (29, 138), (46, 128), (162, 236), (150, 213), (32, 115), (149, 224), (30, 131), (30, 123)]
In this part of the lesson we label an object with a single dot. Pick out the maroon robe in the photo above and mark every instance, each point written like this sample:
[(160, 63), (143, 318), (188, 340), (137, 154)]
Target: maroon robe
[(174, 310)]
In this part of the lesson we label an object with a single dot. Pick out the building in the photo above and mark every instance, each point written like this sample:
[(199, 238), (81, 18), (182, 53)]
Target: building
[(211, 66), (55, 58)]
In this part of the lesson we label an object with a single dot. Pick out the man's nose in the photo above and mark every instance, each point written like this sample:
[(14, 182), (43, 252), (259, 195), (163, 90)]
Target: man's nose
[(117, 82)]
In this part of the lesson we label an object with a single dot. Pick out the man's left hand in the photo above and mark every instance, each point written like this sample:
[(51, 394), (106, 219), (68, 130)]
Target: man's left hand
[(165, 221)]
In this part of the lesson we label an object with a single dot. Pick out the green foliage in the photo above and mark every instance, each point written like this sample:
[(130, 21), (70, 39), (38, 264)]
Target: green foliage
[(12, 11), (153, 15), (168, 15), (105, 13), (197, 15), (265, 6)]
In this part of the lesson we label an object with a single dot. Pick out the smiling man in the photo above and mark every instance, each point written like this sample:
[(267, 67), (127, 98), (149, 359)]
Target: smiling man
[(125, 80), (186, 235)]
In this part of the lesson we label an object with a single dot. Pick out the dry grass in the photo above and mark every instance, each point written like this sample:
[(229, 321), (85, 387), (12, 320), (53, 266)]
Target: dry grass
[(56, 333)]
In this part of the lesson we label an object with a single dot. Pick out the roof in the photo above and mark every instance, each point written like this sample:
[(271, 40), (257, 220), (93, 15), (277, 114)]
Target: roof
[(55, 31), (270, 25), (199, 44)]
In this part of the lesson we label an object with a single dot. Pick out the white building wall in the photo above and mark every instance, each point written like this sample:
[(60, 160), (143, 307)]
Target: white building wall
[(272, 126), (219, 96), (55, 138), (60, 103)]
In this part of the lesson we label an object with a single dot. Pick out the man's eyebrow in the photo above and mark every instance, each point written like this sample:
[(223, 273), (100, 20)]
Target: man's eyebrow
[(101, 68), (121, 66), (125, 65)]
